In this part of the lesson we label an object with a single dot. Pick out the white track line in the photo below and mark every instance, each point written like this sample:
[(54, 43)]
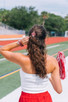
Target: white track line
[(10, 39), (2, 59), (63, 97), (52, 46)]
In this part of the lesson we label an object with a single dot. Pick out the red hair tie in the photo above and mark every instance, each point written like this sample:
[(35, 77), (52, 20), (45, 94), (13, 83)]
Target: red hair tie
[(33, 34)]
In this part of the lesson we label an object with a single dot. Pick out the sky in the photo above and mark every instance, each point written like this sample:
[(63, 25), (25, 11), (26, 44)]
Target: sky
[(58, 7)]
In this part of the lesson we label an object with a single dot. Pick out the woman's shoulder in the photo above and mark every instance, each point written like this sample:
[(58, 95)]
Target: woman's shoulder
[(51, 58), (51, 63), (24, 59)]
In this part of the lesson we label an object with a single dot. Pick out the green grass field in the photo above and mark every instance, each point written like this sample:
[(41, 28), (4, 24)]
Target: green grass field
[(11, 82)]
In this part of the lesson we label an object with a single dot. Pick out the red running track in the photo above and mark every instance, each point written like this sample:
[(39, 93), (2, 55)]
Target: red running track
[(50, 40)]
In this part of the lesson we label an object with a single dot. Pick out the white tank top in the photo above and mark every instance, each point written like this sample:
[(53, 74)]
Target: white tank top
[(30, 83)]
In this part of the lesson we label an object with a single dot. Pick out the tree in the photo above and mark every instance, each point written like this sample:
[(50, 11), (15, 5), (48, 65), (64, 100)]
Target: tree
[(24, 18), (3, 13), (55, 23), (21, 17), (44, 16), (17, 18), (33, 16)]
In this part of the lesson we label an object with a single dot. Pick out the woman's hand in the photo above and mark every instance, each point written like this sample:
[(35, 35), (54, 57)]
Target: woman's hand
[(24, 40), (13, 45)]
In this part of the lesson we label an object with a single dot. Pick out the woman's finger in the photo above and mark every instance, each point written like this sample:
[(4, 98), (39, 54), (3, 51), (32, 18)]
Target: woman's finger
[(24, 41)]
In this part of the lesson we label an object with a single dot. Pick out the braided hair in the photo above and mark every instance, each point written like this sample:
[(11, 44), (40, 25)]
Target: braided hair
[(36, 49)]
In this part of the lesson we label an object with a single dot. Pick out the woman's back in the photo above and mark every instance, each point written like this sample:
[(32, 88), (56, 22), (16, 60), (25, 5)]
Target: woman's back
[(51, 67), (32, 83), (27, 66)]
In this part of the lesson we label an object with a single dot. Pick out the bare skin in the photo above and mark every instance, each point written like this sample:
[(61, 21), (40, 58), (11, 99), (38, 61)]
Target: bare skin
[(25, 63)]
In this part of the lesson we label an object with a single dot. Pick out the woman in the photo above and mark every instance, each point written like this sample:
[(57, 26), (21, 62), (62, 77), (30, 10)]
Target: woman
[(35, 66)]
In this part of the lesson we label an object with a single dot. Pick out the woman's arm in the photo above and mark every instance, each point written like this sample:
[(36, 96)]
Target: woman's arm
[(9, 47), (13, 45), (55, 78), (13, 57)]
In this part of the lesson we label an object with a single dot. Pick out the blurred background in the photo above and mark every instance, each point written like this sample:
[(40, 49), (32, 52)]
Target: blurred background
[(16, 19), (18, 16)]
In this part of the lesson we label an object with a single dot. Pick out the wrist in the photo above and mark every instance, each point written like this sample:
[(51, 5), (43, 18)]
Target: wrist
[(19, 43)]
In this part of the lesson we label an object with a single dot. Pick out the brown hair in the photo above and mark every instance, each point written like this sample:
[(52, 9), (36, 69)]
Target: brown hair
[(36, 49)]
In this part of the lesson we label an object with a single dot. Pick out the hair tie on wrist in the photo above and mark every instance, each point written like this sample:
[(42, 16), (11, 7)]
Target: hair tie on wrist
[(19, 43)]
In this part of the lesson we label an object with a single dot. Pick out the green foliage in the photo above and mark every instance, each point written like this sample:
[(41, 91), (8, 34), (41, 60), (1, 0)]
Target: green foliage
[(21, 17), (55, 23), (44, 16), (25, 18), (3, 13)]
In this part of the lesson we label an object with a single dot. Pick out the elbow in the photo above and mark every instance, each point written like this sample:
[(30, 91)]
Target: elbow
[(59, 91), (1, 49)]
